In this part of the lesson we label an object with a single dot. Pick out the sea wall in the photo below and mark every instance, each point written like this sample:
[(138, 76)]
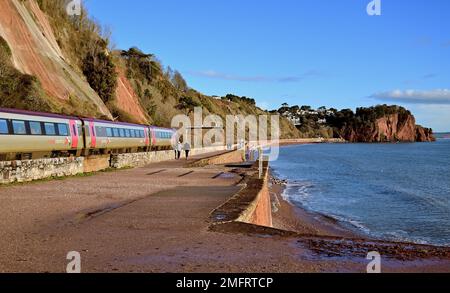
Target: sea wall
[(120, 161), (25, 171), (259, 211), (236, 156), (251, 205)]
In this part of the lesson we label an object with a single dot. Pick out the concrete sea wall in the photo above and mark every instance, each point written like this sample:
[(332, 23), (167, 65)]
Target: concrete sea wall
[(252, 205), (259, 211), (236, 156), (141, 159)]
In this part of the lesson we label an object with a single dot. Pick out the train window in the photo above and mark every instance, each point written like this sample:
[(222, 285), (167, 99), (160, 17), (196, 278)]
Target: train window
[(3, 127), (80, 130), (50, 129), (35, 128), (116, 132), (100, 131), (109, 132), (19, 127), (142, 133), (63, 130), (127, 133), (132, 133), (136, 133)]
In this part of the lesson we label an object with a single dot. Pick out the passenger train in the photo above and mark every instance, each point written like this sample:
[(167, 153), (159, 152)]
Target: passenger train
[(32, 135)]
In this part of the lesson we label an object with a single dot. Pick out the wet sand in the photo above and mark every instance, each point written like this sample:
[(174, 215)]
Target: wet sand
[(158, 219)]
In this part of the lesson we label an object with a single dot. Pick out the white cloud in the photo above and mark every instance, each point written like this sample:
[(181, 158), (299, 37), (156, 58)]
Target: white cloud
[(431, 97)]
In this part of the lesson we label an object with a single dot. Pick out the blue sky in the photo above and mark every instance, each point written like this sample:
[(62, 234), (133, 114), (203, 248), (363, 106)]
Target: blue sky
[(305, 52)]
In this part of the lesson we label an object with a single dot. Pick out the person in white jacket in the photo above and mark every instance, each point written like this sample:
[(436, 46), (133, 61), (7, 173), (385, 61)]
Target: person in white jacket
[(179, 150), (187, 149)]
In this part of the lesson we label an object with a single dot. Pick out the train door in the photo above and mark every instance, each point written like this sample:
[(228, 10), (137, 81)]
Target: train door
[(153, 137), (74, 133), (147, 137), (93, 135)]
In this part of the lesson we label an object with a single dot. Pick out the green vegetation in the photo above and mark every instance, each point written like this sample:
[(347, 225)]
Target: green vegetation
[(187, 104), (237, 99), (78, 37), (4, 48), (100, 72)]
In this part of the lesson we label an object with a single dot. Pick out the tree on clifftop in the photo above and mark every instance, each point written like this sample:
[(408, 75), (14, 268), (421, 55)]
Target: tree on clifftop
[(187, 104)]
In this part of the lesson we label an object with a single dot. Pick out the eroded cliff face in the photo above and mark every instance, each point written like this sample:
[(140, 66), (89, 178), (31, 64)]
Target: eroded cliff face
[(35, 51), (391, 128)]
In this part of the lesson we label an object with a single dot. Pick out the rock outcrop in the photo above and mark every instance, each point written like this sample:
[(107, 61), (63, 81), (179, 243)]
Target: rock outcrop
[(390, 128), (424, 134)]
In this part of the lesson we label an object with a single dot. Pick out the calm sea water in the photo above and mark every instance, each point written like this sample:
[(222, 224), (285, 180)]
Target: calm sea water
[(397, 192)]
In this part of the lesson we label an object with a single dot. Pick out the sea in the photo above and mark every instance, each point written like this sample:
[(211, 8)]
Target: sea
[(395, 192)]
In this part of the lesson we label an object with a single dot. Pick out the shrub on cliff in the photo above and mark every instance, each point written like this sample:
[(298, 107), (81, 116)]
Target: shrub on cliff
[(100, 72), (4, 47)]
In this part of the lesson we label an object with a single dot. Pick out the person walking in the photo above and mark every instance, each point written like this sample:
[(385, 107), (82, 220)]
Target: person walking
[(187, 149), (175, 148), (179, 150)]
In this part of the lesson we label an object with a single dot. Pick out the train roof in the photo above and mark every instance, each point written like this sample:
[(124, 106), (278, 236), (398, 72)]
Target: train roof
[(162, 128), (59, 116), (126, 124), (113, 123), (40, 114)]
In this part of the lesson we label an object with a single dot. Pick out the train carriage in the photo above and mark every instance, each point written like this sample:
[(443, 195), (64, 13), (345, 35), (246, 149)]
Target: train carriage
[(106, 137), (32, 135), (162, 138)]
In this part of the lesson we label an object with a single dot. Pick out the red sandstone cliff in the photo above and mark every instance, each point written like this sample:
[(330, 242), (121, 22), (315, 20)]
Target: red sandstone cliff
[(35, 51), (29, 34), (390, 128)]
